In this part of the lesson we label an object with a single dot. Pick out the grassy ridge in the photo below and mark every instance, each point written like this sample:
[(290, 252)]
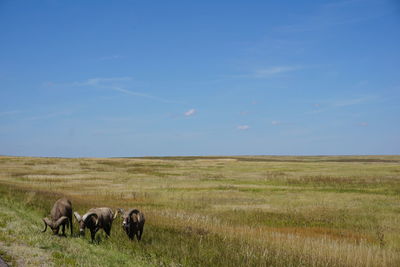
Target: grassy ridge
[(223, 211)]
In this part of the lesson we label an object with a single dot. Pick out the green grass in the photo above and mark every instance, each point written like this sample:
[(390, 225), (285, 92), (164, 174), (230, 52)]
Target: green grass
[(209, 211)]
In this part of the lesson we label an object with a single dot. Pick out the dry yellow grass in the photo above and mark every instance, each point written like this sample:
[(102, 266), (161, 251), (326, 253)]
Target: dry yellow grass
[(312, 211)]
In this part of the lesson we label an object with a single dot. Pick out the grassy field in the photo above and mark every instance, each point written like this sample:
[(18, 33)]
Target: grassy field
[(208, 211)]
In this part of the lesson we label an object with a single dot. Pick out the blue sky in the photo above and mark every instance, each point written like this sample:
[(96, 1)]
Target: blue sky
[(142, 78)]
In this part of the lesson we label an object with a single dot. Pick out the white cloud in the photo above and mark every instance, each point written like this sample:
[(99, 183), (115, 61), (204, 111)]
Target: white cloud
[(364, 124), (335, 14), (353, 101), (128, 92), (340, 3), (343, 103), (109, 57), (51, 115), (112, 83), (276, 122), (190, 112), (9, 113), (133, 93), (100, 81), (268, 72), (243, 127)]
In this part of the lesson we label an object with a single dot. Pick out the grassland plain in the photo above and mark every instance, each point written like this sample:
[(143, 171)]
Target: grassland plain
[(209, 211)]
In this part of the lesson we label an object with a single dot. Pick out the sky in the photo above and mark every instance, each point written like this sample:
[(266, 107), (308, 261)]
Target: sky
[(176, 78)]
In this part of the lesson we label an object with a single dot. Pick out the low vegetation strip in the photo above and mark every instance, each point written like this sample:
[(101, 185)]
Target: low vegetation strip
[(24, 243), (3, 263), (202, 212)]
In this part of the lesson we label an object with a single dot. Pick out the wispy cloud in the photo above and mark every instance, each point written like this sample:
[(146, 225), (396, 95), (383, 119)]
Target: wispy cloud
[(352, 101), (341, 103), (51, 115), (190, 112), (128, 92), (110, 57), (139, 94), (113, 132), (115, 119), (101, 81), (9, 113), (243, 127), (319, 24), (317, 108), (269, 72), (275, 123), (340, 4), (336, 14), (111, 83), (363, 124)]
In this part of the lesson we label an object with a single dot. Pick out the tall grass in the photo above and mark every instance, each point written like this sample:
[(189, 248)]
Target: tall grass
[(230, 211)]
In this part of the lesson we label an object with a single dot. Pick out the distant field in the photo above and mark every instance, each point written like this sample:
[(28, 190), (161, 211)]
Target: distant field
[(209, 211)]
